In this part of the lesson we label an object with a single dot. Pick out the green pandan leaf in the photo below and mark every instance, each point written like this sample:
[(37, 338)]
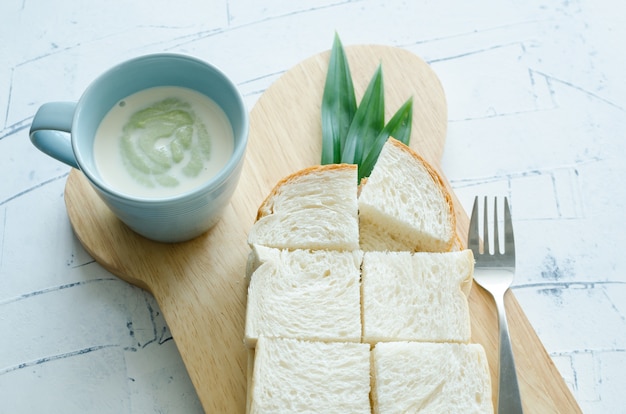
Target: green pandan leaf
[(368, 121), (398, 127), (400, 124), (355, 134), (338, 105)]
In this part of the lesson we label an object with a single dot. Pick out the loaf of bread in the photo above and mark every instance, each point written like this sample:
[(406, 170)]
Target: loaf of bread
[(304, 294), (294, 376), (416, 296), (337, 269), (404, 204), (315, 208), (433, 378)]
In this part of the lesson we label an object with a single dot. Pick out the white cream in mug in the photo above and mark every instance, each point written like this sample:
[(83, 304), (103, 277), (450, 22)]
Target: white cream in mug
[(162, 141)]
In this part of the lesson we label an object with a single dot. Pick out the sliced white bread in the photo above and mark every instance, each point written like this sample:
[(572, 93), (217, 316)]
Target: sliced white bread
[(416, 296), (315, 208), (430, 378), (304, 294), (404, 204), (293, 376)]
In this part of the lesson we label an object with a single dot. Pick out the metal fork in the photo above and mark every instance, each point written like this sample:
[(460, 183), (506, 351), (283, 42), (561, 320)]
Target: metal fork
[(494, 272)]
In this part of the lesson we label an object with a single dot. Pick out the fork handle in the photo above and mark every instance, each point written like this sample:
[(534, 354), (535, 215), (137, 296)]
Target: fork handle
[(509, 401)]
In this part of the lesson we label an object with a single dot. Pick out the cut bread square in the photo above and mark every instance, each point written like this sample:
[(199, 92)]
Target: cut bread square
[(304, 294), (416, 296), (315, 208), (412, 377), (294, 376), (404, 204)]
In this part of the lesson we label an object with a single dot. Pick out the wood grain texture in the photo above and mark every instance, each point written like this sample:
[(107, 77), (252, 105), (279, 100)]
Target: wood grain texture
[(199, 284)]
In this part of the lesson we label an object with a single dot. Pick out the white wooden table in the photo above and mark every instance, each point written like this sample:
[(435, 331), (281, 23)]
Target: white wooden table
[(537, 112)]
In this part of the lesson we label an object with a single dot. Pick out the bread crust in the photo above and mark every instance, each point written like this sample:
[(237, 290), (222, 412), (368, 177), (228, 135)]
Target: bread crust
[(267, 208)]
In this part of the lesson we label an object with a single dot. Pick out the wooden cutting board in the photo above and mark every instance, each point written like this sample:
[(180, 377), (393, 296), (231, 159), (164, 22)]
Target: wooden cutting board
[(199, 285)]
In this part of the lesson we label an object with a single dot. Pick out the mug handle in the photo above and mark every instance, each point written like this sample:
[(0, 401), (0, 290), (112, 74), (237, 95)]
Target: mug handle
[(50, 130)]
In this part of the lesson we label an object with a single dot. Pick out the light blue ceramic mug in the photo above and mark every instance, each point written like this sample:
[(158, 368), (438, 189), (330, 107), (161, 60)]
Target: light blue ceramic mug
[(67, 130)]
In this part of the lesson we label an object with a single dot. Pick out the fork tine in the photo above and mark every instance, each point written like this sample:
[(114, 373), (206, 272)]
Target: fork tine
[(509, 241), (496, 236), (473, 239), (485, 228)]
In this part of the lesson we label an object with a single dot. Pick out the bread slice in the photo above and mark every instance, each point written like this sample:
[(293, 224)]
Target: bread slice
[(315, 208), (416, 296), (411, 377), (404, 204), (293, 376), (304, 294)]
